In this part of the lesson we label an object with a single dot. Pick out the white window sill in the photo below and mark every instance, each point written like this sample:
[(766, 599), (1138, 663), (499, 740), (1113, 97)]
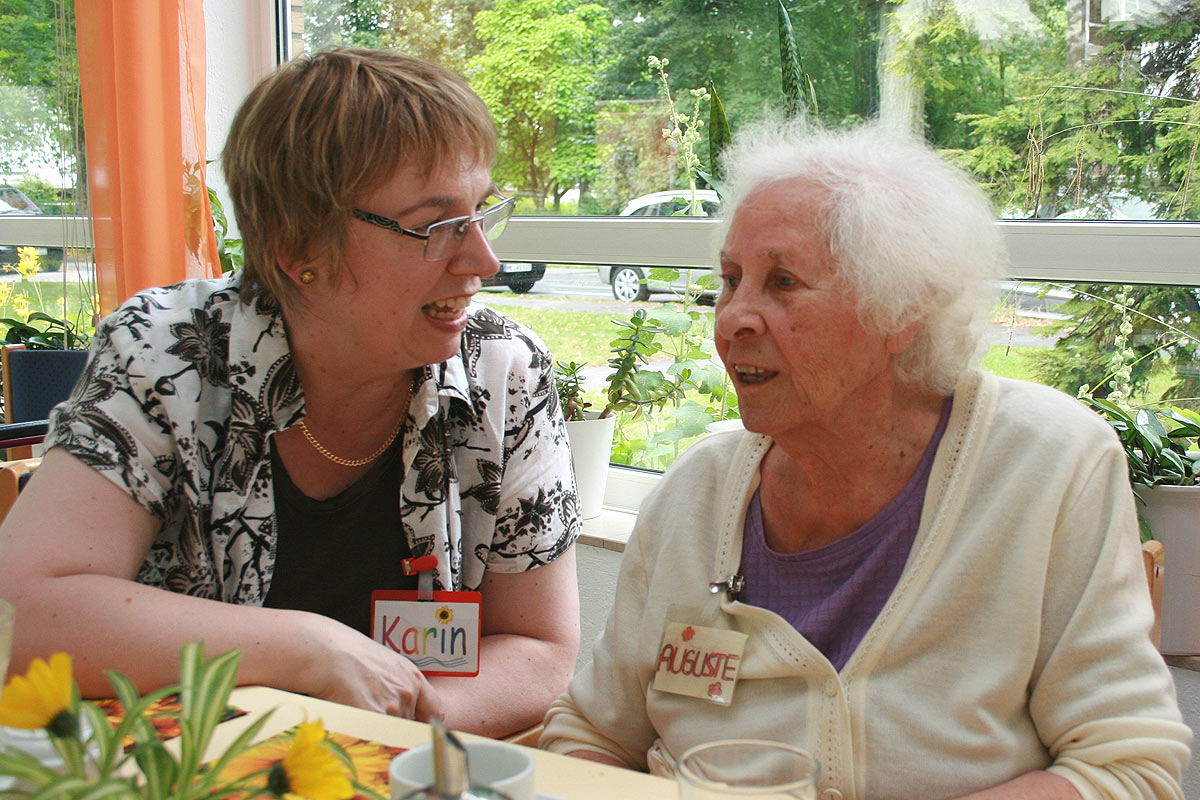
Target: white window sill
[(610, 530)]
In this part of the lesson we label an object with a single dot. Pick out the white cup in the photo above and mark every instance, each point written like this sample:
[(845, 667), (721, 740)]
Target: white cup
[(506, 768), (36, 742)]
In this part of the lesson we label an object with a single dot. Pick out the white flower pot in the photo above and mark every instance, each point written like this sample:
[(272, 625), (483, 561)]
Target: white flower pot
[(37, 744), (1173, 513), (591, 449)]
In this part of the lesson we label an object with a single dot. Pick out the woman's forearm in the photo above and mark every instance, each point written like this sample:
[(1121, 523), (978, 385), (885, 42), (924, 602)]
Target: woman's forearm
[(1030, 786), (138, 630), (519, 677)]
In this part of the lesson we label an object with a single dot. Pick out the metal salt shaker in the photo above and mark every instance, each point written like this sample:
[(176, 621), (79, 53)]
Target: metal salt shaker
[(451, 776)]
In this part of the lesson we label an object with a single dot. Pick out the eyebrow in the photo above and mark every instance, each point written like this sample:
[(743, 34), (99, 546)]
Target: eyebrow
[(773, 256), (443, 201)]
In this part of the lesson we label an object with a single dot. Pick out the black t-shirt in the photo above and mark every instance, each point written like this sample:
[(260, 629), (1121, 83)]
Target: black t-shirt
[(331, 554)]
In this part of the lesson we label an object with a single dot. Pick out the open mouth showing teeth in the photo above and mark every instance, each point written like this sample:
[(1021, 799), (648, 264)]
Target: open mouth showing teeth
[(447, 309), (749, 374)]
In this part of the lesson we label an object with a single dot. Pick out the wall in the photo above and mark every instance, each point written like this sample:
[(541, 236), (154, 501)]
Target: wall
[(1187, 688), (597, 569), (240, 47)]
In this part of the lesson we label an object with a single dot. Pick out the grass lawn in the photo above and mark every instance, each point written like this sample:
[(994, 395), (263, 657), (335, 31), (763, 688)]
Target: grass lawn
[(1009, 361), (584, 336), (19, 298), (580, 336)]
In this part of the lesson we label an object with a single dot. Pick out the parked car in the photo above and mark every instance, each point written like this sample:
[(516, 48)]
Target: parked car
[(630, 283), (518, 276), (14, 202)]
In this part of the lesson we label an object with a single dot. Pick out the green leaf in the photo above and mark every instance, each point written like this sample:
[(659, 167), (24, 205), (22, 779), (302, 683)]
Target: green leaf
[(235, 749), (113, 787), (1144, 529), (24, 767), (718, 185), (671, 321), (795, 81), (719, 137), (204, 689)]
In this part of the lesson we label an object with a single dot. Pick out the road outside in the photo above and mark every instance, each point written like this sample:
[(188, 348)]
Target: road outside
[(580, 289)]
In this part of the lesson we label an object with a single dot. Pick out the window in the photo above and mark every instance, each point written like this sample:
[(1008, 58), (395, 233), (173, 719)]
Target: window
[(44, 243), (1076, 118)]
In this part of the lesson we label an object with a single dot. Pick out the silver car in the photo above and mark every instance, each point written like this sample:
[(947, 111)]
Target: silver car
[(637, 283)]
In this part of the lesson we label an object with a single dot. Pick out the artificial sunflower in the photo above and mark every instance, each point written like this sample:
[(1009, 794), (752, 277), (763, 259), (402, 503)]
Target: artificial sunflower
[(445, 614), (41, 698), (310, 769)]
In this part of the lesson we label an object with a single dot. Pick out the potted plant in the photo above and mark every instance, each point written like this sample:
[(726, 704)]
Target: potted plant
[(631, 387), (1160, 445)]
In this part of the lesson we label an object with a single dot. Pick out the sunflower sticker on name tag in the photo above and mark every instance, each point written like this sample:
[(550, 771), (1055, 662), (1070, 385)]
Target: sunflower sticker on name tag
[(440, 636), (699, 662)]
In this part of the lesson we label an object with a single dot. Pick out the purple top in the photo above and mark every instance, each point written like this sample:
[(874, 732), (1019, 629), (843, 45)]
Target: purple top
[(832, 594)]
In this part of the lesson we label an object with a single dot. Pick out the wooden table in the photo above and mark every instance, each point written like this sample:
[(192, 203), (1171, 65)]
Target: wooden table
[(557, 776)]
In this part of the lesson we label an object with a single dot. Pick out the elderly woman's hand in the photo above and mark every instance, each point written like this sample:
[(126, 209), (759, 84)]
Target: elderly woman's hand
[(346, 667)]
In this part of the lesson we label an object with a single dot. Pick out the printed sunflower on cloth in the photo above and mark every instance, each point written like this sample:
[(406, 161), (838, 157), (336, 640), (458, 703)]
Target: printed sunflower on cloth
[(310, 774)]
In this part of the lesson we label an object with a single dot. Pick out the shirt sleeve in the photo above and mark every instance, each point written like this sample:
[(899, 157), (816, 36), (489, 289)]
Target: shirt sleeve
[(114, 421), (1101, 697), (538, 517)]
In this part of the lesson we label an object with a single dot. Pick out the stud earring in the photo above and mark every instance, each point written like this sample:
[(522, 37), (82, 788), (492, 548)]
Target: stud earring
[(307, 277)]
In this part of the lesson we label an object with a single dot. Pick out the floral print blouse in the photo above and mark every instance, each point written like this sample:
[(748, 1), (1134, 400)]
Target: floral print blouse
[(185, 384)]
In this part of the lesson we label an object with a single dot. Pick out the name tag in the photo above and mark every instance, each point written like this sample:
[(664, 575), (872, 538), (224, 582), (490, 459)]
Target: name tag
[(699, 662), (440, 636)]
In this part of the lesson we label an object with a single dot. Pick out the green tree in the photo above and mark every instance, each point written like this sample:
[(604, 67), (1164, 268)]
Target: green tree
[(442, 31), (734, 44), (347, 23), (537, 75), (1087, 141), (40, 116)]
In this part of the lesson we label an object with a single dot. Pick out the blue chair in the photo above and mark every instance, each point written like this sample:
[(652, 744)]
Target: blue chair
[(35, 381)]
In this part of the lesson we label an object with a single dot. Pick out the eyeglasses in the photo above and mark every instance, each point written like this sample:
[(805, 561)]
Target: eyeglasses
[(443, 239)]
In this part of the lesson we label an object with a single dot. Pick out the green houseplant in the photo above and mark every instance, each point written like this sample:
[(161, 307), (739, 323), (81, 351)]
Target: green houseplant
[(1160, 444), (632, 388), (1163, 469), (90, 762)]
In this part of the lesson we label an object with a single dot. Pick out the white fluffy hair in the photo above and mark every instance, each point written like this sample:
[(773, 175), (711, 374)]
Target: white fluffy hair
[(913, 237)]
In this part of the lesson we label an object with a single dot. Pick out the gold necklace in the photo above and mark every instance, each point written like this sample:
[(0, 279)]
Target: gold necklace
[(358, 462)]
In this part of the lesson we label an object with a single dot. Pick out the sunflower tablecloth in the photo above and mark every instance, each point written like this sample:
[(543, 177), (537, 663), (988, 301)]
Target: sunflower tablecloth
[(163, 715), (370, 760)]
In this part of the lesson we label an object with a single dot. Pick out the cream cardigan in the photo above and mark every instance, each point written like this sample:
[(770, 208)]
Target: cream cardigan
[(1016, 638)]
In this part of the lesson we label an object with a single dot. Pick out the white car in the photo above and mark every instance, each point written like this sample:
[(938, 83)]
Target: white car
[(629, 283)]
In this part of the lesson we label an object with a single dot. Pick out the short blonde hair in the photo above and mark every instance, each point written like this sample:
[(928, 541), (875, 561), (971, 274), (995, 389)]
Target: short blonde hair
[(321, 131)]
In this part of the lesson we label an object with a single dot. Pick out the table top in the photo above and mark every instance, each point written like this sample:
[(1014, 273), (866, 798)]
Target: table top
[(556, 776)]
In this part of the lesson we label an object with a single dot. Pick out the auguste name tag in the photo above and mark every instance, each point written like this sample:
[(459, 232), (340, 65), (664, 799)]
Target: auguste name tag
[(440, 636), (699, 662)]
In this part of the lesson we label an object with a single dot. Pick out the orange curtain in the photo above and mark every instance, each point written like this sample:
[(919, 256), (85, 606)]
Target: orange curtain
[(141, 76)]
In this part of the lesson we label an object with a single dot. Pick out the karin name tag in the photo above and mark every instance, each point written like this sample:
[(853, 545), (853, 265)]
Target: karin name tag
[(440, 636)]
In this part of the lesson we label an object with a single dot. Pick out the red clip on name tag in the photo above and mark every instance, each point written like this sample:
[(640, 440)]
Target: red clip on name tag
[(440, 636)]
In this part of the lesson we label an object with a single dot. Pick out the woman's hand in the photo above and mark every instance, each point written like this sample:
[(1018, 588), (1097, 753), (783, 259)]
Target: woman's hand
[(347, 667)]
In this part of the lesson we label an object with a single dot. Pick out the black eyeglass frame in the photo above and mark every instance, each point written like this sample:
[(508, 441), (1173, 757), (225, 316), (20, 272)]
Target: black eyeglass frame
[(498, 214)]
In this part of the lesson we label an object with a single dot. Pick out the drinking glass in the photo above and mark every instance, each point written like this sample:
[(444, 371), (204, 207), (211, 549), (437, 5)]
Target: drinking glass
[(747, 769), (7, 618)]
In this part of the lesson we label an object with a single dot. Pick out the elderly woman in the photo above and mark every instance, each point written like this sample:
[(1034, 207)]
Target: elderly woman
[(927, 576), (248, 459)]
